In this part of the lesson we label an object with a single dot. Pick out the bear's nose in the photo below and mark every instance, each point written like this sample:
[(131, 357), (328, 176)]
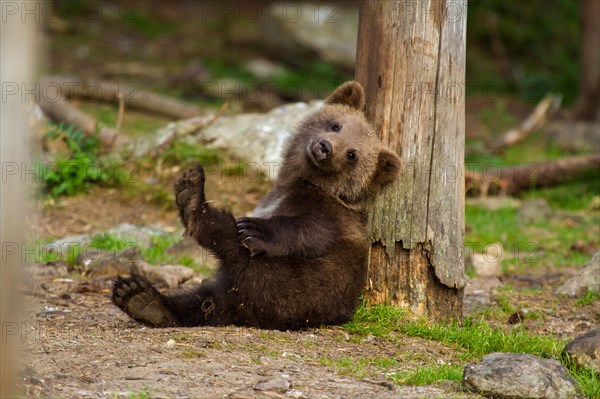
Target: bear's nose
[(324, 150)]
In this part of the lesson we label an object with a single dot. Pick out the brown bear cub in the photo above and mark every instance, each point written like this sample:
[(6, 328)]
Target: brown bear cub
[(301, 259)]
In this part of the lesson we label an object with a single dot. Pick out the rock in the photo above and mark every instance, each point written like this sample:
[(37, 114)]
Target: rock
[(98, 263), (518, 375), (263, 68), (138, 235), (478, 294), (302, 32), (294, 393), (487, 265), (169, 276), (585, 350), (574, 136), (535, 210), (279, 385), (588, 279), (257, 138)]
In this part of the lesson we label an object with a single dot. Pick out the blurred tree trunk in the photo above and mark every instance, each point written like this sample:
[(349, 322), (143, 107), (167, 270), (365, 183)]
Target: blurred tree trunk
[(588, 104), (411, 61)]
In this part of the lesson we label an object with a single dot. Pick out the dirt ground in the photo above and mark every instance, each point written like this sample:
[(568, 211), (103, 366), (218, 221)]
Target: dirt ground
[(76, 344)]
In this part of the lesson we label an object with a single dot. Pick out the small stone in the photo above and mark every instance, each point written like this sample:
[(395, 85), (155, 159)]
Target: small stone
[(294, 393), (478, 293), (487, 265), (585, 350), (518, 375), (278, 385), (535, 210), (588, 279), (169, 276)]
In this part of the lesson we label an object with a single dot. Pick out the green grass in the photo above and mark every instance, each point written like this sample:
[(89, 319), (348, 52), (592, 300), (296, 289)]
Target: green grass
[(427, 375), (182, 153), (527, 245), (359, 367), (589, 298), (154, 254), (475, 338)]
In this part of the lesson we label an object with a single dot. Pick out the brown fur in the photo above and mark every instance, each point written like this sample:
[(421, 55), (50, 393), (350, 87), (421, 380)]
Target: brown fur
[(301, 259)]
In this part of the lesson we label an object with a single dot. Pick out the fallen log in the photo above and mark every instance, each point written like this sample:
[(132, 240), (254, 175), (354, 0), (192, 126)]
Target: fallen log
[(513, 180), (133, 97), (58, 108)]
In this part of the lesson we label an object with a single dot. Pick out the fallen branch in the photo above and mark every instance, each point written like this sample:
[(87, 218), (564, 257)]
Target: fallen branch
[(133, 97), (513, 180), (535, 120), (59, 109)]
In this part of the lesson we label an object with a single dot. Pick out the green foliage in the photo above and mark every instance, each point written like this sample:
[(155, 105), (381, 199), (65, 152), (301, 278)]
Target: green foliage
[(427, 375), (82, 167), (152, 27), (524, 34), (497, 118), (109, 242), (319, 78), (220, 69)]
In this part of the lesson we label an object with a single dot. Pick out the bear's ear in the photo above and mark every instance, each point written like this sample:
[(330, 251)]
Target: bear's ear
[(388, 168), (349, 93)]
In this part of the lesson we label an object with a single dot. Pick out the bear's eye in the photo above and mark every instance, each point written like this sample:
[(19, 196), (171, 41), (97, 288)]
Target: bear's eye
[(335, 127), (351, 155)]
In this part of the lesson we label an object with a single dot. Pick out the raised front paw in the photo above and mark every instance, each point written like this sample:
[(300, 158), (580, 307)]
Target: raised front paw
[(254, 234), (189, 192), (142, 302)]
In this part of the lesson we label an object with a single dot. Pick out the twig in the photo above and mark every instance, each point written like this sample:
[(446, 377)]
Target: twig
[(121, 112)]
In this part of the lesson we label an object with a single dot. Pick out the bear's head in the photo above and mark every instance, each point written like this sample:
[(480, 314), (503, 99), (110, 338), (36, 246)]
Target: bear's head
[(337, 149)]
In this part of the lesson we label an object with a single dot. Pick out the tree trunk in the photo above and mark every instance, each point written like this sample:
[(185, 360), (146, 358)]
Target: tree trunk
[(587, 107), (411, 61)]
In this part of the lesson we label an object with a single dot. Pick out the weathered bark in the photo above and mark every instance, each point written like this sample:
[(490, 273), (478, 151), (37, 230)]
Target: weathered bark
[(411, 61), (587, 106)]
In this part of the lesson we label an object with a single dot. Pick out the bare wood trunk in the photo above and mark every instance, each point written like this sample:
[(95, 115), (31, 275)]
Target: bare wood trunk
[(411, 61), (587, 106)]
